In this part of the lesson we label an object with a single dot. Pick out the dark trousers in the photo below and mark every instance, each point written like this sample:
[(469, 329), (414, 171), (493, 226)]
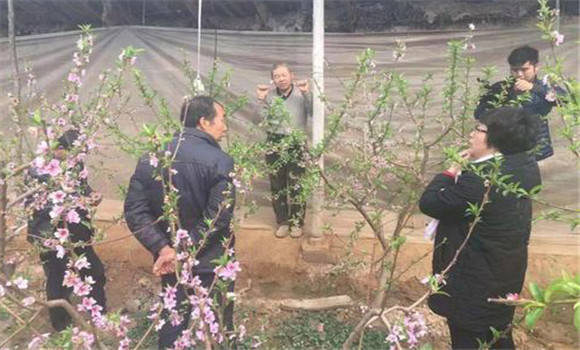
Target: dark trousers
[(467, 339), (284, 180), (168, 333), (54, 269)]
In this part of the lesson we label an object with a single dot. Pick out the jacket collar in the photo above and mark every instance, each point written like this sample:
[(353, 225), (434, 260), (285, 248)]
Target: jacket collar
[(520, 158), (487, 157), (285, 96), (196, 133), (510, 160)]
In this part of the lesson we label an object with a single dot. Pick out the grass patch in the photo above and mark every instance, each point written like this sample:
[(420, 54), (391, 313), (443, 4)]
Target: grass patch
[(321, 330), (140, 325)]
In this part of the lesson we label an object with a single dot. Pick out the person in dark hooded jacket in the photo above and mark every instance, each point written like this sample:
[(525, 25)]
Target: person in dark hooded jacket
[(41, 227), (494, 260), (201, 174)]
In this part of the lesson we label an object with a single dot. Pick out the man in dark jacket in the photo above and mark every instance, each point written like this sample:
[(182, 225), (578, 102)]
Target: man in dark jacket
[(494, 260), (523, 89), (42, 228), (201, 174)]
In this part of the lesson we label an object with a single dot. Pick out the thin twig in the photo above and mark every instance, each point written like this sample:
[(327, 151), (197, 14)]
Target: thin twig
[(23, 197), (523, 302), (388, 324), (26, 325), (146, 333), (17, 170), (551, 205), (20, 320), (377, 229), (410, 266)]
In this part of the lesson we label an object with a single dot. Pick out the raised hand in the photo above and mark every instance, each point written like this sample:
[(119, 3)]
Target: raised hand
[(262, 91), (303, 86), (522, 85)]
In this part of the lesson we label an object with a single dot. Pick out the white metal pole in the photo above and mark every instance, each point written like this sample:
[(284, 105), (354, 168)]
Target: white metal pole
[(318, 71), (198, 84), (318, 109)]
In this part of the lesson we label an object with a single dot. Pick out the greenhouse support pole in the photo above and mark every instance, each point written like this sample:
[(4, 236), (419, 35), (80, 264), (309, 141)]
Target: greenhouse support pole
[(317, 111)]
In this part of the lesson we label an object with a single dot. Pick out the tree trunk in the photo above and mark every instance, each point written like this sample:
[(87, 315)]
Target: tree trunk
[(192, 8), (12, 44), (385, 277), (3, 204), (16, 79), (352, 15), (306, 14), (262, 13), (106, 16)]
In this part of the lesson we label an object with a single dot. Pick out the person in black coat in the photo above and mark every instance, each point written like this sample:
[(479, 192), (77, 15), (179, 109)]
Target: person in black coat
[(41, 228), (201, 174), (494, 260)]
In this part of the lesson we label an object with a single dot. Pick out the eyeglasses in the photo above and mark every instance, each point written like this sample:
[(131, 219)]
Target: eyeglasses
[(479, 128)]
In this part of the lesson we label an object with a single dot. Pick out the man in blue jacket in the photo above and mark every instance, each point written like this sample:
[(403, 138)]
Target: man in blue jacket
[(523, 89), (201, 174)]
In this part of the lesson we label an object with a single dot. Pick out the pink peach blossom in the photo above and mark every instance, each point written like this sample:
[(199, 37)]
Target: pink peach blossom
[(73, 217), (57, 196), (61, 233), (53, 168), (20, 283), (512, 296), (28, 301)]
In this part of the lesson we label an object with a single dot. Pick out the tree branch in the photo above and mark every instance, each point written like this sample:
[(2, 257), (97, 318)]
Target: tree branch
[(23, 327)]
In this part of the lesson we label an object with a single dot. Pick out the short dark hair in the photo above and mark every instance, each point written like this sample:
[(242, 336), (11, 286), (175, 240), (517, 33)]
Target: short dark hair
[(193, 109), (278, 65), (510, 129), (67, 139), (523, 54)]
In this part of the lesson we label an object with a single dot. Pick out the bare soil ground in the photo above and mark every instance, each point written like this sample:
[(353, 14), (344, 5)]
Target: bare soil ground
[(274, 270)]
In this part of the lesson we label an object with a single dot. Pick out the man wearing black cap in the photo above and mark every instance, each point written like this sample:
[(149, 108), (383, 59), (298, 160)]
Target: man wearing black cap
[(44, 226)]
